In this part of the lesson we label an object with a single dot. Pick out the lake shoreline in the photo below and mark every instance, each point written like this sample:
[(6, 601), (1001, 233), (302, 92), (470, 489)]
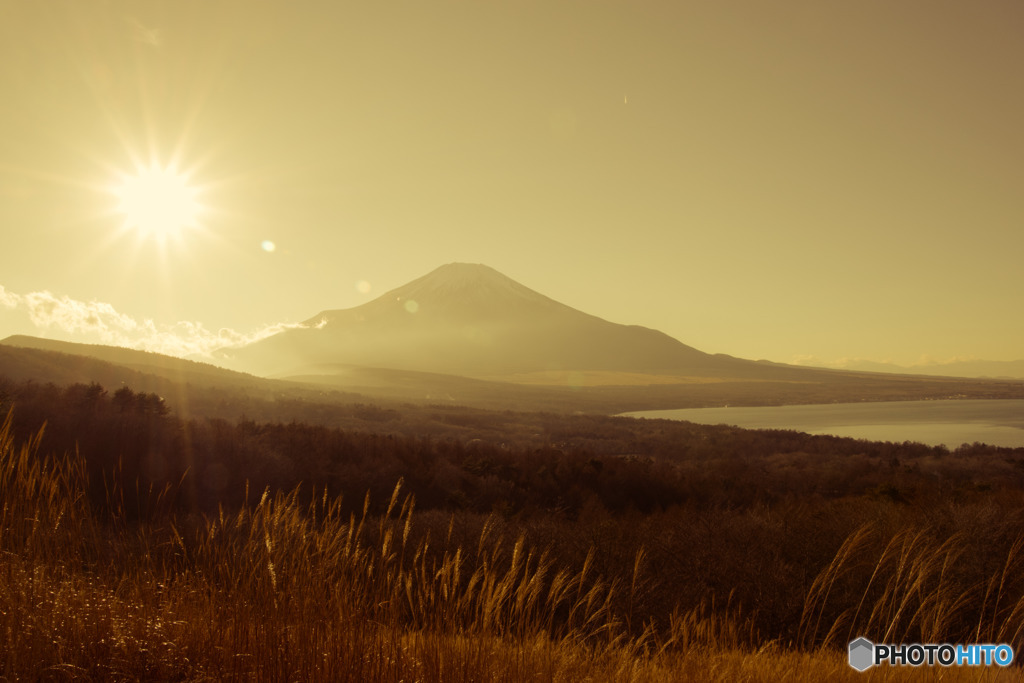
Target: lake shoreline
[(948, 422)]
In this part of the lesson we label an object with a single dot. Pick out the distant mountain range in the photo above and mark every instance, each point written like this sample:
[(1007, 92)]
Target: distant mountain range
[(470, 320), (995, 369)]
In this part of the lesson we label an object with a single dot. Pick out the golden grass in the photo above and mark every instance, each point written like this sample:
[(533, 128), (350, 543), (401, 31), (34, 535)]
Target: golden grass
[(911, 596), (285, 591)]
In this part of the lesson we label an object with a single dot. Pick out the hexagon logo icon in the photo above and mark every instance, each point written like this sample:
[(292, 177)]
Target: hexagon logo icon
[(862, 654)]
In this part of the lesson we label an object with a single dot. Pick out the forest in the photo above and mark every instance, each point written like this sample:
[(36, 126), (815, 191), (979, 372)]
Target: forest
[(519, 545)]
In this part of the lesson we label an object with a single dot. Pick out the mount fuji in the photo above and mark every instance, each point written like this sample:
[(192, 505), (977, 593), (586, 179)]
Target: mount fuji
[(467, 335), (470, 320)]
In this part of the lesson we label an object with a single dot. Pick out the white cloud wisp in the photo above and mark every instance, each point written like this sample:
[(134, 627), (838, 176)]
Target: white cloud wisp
[(94, 321)]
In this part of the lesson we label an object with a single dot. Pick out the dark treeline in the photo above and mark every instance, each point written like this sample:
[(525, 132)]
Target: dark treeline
[(532, 463), (745, 518)]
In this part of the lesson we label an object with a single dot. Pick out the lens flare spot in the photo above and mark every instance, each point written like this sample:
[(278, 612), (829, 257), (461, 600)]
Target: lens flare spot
[(363, 287), (268, 246), (411, 306)]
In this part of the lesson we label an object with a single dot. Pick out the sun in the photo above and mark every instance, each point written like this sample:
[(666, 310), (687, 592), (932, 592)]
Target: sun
[(158, 202)]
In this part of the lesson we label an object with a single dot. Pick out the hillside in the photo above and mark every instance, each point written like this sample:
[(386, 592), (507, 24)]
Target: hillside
[(198, 388), (75, 368)]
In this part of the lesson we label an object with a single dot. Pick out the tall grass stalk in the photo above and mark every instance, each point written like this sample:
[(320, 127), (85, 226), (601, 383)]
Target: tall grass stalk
[(914, 592)]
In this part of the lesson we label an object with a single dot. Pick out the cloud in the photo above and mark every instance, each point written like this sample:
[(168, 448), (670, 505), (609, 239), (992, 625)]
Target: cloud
[(46, 310), (7, 299), (101, 321)]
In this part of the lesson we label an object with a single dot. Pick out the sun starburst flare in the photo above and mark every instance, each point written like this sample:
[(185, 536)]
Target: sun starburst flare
[(158, 202)]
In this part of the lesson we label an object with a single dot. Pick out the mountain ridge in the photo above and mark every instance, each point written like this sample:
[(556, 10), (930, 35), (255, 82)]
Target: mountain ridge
[(197, 388), (994, 369), (471, 320), (469, 286)]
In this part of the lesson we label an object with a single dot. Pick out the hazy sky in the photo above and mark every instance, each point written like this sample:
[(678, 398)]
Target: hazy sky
[(773, 180)]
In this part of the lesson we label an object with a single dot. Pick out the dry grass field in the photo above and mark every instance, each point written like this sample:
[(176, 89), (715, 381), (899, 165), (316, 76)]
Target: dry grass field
[(291, 588)]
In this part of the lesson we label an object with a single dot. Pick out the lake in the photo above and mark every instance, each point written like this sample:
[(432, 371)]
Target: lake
[(954, 422)]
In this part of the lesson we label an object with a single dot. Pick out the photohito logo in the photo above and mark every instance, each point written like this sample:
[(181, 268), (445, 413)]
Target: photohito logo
[(864, 654)]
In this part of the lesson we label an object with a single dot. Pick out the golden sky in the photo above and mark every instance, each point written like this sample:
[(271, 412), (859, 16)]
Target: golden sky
[(782, 180)]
